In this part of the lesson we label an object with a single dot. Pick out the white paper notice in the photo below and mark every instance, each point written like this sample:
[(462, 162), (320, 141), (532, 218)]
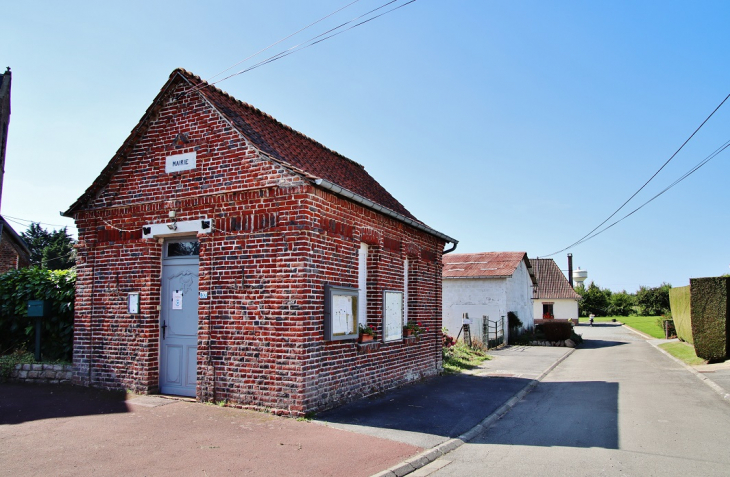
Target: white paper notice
[(177, 296)]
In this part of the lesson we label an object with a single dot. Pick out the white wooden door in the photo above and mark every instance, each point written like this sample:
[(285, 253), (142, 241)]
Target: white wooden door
[(179, 319)]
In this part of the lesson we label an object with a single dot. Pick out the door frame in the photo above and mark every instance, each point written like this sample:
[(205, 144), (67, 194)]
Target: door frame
[(168, 261)]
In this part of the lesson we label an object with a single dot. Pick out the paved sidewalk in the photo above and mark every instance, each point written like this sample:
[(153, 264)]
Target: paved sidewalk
[(80, 431), (715, 375)]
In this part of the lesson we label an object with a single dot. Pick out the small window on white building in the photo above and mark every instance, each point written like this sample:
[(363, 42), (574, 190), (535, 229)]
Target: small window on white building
[(547, 311)]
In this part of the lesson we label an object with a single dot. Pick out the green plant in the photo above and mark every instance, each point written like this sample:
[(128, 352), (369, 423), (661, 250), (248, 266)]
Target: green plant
[(460, 357), (17, 287), (366, 330), (621, 304), (447, 341), (653, 301), (52, 250), (709, 308), (414, 327), (8, 362)]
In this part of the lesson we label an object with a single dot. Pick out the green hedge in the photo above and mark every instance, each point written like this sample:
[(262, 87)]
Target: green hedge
[(709, 307), (17, 331), (555, 330), (679, 299)]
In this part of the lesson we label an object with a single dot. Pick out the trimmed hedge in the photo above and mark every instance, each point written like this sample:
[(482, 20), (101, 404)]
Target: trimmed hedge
[(555, 330), (679, 299), (17, 331), (709, 307)]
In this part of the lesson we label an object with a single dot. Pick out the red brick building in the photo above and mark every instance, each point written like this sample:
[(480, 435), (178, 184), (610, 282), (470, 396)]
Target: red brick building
[(227, 256)]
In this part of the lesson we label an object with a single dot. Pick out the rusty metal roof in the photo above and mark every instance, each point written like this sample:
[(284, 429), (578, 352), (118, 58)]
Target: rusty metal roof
[(484, 265)]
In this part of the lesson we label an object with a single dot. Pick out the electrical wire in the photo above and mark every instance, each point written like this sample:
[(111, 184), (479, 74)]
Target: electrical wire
[(712, 155), (18, 220), (308, 43), (646, 183), (283, 39)]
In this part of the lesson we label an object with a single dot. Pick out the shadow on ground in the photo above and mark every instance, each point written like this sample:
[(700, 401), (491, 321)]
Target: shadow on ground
[(31, 402), (446, 406), (585, 413), (581, 414)]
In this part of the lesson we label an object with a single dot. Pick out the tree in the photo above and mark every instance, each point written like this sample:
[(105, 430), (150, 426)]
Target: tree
[(653, 301), (594, 300), (621, 304), (50, 250)]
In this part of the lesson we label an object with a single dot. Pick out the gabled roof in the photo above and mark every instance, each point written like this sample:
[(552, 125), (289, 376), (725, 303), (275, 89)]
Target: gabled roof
[(551, 283), (283, 144), (8, 231), (484, 265)]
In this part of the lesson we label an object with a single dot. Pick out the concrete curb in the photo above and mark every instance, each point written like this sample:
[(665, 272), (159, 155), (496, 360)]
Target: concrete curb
[(430, 455), (714, 386)]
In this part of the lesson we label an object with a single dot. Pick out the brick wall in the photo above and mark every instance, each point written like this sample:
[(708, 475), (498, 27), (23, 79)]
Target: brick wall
[(276, 241), (10, 256)]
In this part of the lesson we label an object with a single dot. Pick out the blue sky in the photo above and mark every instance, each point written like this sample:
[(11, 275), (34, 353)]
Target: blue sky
[(514, 125)]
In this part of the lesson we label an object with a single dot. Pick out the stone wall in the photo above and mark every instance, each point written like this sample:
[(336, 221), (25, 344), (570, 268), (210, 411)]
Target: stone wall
[(42, 373)]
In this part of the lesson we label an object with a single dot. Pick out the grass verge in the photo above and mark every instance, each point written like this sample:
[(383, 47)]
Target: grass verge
[(460, 357), (646, 324), (683, 351)]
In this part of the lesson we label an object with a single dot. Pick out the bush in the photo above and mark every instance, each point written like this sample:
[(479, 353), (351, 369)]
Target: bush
[(17, 332), (709, 308), (653, 301), (556, 331)]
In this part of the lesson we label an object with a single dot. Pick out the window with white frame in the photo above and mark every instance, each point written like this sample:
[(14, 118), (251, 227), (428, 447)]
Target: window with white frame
[(362, 283)]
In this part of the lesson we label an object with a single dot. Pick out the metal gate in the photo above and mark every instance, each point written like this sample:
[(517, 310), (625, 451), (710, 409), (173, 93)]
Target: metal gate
[(492, 332)]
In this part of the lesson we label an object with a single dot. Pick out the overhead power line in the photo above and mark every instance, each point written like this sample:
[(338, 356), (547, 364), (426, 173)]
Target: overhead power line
[(583, 238), (283, 39), (20, 221), (707, 159), (312, 41)]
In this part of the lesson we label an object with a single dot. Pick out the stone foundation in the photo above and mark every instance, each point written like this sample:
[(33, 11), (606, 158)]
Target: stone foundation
[(42, 373)]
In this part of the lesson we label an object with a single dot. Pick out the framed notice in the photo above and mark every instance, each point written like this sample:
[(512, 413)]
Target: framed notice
[(340, 313), (392, 315)]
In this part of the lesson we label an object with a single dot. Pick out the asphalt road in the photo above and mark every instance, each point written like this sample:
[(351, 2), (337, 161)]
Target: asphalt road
[(616, 406)]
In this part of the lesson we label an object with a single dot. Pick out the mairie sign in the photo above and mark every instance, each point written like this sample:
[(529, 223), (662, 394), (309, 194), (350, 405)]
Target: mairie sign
[(180, 162)]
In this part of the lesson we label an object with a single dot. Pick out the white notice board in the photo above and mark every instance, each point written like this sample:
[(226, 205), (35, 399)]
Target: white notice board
[(392, 315), (343, 315)]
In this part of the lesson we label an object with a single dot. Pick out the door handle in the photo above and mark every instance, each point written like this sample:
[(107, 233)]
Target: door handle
[(164, 327)]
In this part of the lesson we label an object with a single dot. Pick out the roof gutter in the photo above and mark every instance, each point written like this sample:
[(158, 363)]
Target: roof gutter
[(325, 184)]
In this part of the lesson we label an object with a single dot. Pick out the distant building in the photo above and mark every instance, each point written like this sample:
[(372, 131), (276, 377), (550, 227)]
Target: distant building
[(487, 284), (14, 252), (553, 297)]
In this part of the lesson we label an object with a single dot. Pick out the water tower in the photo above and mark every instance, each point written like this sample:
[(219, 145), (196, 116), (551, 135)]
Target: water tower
[(579, 276)]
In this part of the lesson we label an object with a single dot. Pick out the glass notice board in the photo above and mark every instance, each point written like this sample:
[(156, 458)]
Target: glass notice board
[(392, 315), (340, 313)]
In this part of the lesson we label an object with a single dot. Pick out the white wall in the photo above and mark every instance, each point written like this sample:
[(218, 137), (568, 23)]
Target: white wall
[(562, 308), (519, 295), (477, 297)]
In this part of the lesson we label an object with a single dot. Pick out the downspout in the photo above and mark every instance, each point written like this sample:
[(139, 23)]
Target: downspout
[(456, 242)]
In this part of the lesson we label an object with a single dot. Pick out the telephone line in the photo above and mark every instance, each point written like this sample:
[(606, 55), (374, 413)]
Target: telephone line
[(299, 47), (714, 154), (580, 240)]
